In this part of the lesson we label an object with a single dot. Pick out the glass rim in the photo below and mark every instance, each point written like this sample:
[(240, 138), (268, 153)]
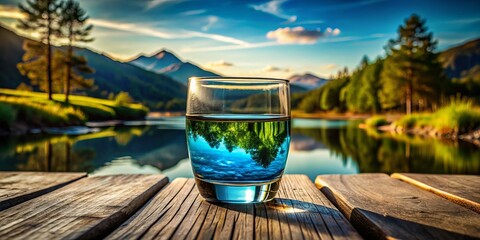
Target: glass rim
[(259, 79)]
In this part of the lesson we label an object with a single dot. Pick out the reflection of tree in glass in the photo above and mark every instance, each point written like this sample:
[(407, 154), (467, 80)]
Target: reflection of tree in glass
[(262, 140)]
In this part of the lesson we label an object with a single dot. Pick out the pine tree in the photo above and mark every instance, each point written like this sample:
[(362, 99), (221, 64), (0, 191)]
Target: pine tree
[(364, 62), (73, 21), (71, 67), (42, 17), (411, 65)]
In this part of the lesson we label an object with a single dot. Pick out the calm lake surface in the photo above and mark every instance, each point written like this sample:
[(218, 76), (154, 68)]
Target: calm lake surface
[(317, 147)]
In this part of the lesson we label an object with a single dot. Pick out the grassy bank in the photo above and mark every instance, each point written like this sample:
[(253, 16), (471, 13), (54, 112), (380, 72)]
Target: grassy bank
[(457, 118), (329, 115), (32, 109)]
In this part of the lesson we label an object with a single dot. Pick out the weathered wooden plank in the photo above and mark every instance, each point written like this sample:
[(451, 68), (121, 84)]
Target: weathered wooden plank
[(382, 207), (300, 211), (88, 208), (18, 187), (461, 189)]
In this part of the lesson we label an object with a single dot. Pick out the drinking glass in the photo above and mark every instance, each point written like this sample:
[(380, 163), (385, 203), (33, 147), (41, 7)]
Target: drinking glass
[(238, 135)]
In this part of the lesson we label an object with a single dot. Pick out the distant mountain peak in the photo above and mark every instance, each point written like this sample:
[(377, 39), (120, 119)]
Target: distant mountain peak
[(307, 80), (309, 75), (166, 62), (164, 53)]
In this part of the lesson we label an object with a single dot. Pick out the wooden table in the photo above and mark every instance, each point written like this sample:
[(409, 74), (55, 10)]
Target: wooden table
[(373, 206)]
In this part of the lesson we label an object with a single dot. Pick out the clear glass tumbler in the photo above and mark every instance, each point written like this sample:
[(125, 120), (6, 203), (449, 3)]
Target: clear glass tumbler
[(238, 135)]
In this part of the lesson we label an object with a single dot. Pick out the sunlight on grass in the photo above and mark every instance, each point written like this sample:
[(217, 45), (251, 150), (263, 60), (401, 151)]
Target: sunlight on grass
[(459, 116), (34, 109), (41, 114)]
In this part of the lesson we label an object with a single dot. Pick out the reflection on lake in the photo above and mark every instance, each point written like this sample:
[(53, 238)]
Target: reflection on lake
[(317, 147)]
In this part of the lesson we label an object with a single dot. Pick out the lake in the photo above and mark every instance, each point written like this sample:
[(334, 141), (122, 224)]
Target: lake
[(317, 147)]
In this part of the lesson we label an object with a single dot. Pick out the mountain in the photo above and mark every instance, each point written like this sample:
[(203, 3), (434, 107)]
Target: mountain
[(307, 81), (114, 76), (167, 63), (110, 75), (462, 59), (157, 62)]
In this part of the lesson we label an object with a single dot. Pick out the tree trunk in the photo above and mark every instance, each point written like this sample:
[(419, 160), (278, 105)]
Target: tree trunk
[(409, 91), (49, 58), (69, 64), (408, 99)]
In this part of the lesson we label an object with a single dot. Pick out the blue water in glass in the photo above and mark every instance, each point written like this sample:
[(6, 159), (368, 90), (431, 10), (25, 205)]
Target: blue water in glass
[(238, 159)]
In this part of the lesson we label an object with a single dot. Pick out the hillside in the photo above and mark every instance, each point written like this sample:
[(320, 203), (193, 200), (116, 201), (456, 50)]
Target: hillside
[(110, 76), (461, 59), (11, 49), (113, 76), (167, 63)]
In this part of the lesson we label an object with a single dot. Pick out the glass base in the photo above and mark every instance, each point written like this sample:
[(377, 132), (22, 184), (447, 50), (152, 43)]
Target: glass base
[(226, 192)]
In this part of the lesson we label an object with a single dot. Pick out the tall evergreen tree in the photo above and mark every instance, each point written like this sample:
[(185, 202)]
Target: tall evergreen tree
[(42, 17), (411, 65), (75, 29), (364, 62)]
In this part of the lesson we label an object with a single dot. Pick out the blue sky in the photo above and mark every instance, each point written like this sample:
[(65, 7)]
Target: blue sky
[(266, 38)]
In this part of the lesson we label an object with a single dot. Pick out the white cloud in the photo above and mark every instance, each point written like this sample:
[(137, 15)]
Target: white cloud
[(328, 67), (270, 68), (274, 7), (300, 35), (211, 20), (216, 37), (154, 3), (193, 12), (131, 27), (220, 63), (162, 33), (230, 47)]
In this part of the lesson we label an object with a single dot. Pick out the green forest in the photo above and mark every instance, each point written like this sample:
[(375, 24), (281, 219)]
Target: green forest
[(410, 78)]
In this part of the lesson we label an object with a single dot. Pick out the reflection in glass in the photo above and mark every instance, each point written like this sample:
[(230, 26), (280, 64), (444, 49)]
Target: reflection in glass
[(238, 151)]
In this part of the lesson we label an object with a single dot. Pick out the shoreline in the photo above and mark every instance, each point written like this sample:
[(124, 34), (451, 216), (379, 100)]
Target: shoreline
[(22, 128), (342, 116), (472, 137)]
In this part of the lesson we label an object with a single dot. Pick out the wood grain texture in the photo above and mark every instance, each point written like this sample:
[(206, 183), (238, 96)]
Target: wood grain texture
[(88, 208), (300, 211), (381, 207), (461, 189), (18, 187)]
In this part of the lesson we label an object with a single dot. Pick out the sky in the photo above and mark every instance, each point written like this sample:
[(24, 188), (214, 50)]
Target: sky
[(276, 38)]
